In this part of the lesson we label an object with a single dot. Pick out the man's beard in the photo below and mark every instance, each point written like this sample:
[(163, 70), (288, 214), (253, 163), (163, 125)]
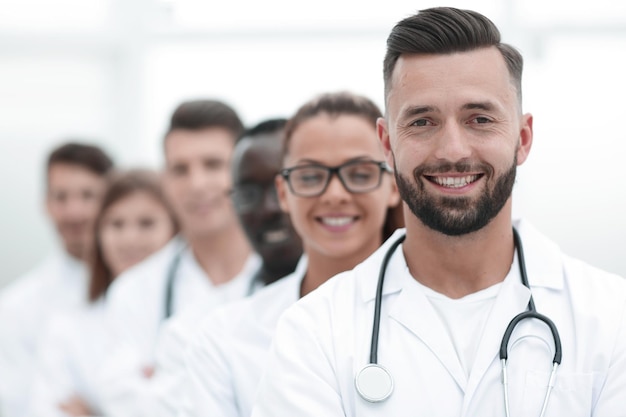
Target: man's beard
[(456, 216)]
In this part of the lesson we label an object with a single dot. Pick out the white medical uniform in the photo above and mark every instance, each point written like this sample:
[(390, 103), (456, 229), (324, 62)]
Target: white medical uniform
[(228, 353), (324, 340), (57, 285), (136, 310), (73, 347), (162, 395)]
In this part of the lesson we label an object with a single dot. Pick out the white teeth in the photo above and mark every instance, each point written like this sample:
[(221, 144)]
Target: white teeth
[(337, 221), (275, 236), (455, 182)]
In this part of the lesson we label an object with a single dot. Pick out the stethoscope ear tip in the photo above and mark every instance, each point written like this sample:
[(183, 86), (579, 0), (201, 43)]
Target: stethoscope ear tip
[(374, 383)]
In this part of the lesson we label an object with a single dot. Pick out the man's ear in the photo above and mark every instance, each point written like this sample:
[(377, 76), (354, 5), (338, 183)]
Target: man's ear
[(383, 136), (525, 138)]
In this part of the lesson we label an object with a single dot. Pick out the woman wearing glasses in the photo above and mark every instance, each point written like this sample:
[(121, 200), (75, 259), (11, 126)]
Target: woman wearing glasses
[(343, 202)]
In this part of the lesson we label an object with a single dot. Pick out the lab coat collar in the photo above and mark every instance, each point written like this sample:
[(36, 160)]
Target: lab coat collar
[(63, 266), (68, 261), (242, 283), (411, 308), (544, 259), (370, 268), (66, 270), (413, 311), (300, 272), (544, 265)]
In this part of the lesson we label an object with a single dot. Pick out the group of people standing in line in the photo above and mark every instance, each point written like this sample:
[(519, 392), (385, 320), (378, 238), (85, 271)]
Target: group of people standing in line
[(148, 256), (195, 291)]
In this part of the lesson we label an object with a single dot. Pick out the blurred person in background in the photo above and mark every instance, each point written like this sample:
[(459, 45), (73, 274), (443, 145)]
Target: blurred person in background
[(257, 160), (342, 199), (134, 221), (75, 181), (211, 262)]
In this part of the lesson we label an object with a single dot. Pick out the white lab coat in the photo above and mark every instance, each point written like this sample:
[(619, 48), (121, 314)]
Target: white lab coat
[(57, 285), (324, 340), (163, 394), (73, 348), (228, 353), (135, 310)]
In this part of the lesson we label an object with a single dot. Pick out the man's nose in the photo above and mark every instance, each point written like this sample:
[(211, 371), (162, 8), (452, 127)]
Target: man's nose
[(453, 143), (198, 179), (269, 200), (77, 206)]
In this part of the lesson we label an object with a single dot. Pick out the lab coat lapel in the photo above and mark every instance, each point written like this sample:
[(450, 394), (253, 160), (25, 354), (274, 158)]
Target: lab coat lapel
[(511, 300), (413, 310)]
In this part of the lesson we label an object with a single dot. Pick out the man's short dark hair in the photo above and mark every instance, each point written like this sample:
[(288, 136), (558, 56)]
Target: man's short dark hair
[(445, 30), (266, 127), (204, 114), (86, 156)]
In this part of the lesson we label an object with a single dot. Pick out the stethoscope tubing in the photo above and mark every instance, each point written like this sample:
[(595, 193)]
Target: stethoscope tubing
[(172, 272), (169, 284), (531, 313), (379, 300)]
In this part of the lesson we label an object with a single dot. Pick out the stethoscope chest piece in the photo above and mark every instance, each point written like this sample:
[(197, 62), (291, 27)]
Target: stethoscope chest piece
[(374, 383)]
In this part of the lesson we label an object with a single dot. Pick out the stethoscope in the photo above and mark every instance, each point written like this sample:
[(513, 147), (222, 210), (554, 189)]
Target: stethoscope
[(374, 382), (172, 273)]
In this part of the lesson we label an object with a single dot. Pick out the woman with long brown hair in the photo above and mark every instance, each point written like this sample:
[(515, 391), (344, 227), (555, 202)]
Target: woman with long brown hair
[(134, 221)]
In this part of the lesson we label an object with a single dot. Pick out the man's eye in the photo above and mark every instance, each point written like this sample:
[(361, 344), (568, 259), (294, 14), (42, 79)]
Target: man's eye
[(214, 164), (421, 123), (178, 170), (116, 224), (481, 120), (59, 197), (88, 195)]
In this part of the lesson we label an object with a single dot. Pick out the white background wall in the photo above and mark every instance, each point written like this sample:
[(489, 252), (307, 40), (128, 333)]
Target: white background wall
[(111, 71)]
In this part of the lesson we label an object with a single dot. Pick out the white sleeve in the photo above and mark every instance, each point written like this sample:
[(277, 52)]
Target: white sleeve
[(130, 310), (53, 381), (130, 393), (209, 385), (14, 364), (123, 388), (121, 384), (167, 388), (299, 378), (611, 399), (18, 321)]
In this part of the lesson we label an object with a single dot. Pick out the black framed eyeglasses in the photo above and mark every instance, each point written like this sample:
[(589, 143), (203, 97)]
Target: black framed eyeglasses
[(248, 197), (360, 176)]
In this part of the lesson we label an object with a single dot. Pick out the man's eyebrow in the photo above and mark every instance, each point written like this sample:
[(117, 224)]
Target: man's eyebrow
[(417, 110), (480, 105)]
